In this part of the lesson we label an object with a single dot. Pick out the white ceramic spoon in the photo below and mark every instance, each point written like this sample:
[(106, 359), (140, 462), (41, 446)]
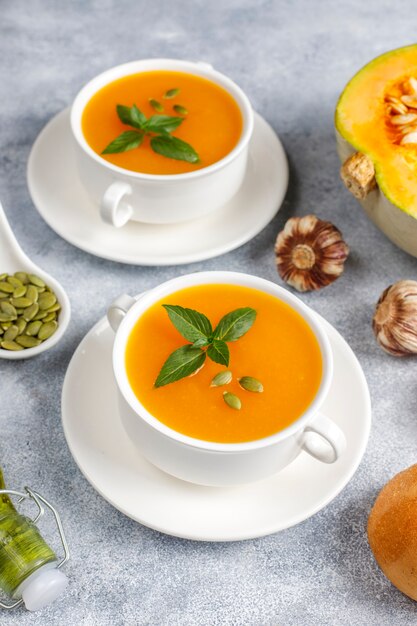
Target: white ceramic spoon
[(13, 259)]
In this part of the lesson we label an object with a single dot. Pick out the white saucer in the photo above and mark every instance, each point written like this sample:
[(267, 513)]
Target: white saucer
[(124, 478), (64, 205)]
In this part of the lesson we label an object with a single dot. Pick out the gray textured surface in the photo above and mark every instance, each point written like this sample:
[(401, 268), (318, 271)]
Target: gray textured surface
[(292, 58)]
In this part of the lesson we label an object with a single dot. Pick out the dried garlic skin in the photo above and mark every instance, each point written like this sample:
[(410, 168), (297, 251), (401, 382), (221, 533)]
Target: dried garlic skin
[(395, 319), (310, 253)]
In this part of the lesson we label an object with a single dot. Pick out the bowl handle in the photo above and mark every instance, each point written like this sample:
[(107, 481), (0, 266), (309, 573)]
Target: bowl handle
[(118, 309), (323, 439), (114, 209)]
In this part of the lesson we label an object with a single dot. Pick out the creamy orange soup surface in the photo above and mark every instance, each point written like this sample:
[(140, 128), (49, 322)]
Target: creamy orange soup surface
[(212, 126), (280, 350)]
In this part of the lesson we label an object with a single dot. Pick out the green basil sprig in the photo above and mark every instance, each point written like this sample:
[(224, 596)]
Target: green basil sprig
[(159, 127), (205, 342)]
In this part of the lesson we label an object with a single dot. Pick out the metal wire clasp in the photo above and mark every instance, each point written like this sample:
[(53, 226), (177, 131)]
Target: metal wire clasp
[(40, 503)]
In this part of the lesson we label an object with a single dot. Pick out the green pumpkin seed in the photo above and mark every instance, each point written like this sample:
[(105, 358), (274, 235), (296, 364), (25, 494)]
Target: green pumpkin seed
[(23, 277), (35, 280), (33, 328), (11, 333), (222, 378), (21, 325), (55, 307), (180, 109), (156, 105), (32, 293), (15, 282), (6, 287), (251, 384), (28, 342), (30, 312), (19, 291), (11, 345), (232, 400), (171, 93), (46, 301), (49, 318), (47, 330), (21, 303), (40, 315), (7, 318), (8, 309)]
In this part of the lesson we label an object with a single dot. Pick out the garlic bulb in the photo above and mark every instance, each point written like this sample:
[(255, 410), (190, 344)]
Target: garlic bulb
[(310, 253), (395, 318)]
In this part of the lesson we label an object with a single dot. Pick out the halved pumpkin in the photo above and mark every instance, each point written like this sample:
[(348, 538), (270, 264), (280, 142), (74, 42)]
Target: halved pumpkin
[(376, 130)]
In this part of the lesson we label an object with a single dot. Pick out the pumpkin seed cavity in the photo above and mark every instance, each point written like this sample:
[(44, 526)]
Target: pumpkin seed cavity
[(29, 311), (401, 109)]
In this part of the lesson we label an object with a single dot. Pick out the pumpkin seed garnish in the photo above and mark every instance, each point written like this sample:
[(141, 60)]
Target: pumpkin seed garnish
[(8, 309), (222, 378), (11, 345), (22, 276), (46, 300), (15, 282), (180, 109), (232, 400), (35, 280), (11, 333), (33, 328), (28, 342), (171, 93), (21, 302), (156, 105), (250, 384), (47, 330), (6, 287), (21, 325), (32, 293), (28, 311), (20, 291)]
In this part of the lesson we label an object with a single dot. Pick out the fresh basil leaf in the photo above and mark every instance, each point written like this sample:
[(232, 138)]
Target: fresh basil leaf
[(191, 324), (131, 116), (128, 140), (181, 363), (235, 324), (174, 148), (137, 116), (163, 123), (219, 352), (201, 343)]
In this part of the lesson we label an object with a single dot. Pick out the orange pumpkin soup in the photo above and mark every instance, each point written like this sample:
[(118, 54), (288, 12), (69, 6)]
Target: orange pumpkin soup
[(212, 121), (280, 350)]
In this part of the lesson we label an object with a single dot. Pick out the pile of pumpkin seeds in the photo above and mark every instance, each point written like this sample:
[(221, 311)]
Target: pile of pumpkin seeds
[(29, 311)]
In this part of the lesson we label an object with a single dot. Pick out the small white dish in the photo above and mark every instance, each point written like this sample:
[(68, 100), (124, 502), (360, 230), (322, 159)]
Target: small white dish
[(13, 259), (113, 466), (64, 204)]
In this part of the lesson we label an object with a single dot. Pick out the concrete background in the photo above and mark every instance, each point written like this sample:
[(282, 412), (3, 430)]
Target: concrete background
[(292, 59)]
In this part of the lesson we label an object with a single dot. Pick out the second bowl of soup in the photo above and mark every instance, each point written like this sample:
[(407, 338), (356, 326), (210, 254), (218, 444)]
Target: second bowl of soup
[(160, 140), (221, 376)]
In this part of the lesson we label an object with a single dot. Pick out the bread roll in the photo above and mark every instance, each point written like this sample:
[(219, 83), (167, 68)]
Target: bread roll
[(392, 531)]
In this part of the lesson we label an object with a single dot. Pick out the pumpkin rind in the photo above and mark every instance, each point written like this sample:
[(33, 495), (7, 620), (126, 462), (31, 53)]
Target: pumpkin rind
[(361, 127)]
